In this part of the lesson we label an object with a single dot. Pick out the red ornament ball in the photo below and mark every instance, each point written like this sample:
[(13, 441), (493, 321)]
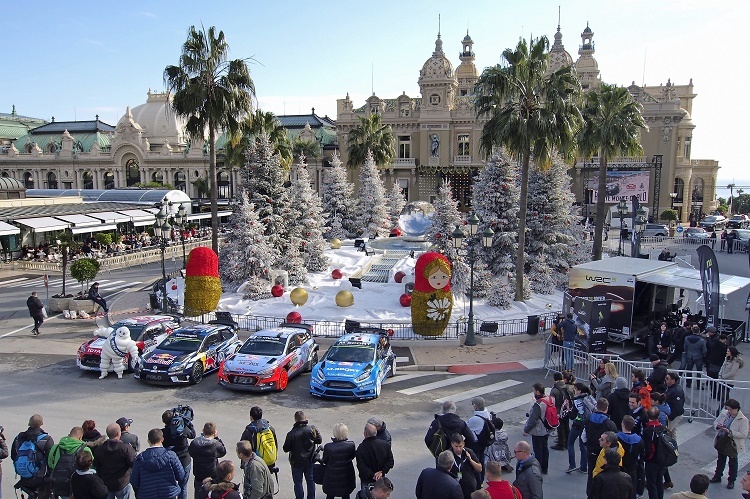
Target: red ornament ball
[(438, 235), (405, 300), (505, 186), (174, 287), (294, 318), (337, 274), (399, 276), (396, 232), (277, 290)]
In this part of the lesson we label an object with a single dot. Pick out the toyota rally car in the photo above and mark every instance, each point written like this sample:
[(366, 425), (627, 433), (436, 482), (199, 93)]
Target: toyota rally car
[(147, 331), (187, 354), (355, 366), (269, 358)]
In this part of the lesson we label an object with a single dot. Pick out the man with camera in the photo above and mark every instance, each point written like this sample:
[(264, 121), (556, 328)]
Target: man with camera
[(206, 451), (178, 428)]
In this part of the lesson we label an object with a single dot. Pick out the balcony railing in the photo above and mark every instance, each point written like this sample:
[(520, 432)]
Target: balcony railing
[(408, 162), (462, 159)]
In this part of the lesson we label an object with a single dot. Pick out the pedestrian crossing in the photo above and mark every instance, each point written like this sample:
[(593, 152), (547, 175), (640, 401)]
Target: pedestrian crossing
[(107, 286)]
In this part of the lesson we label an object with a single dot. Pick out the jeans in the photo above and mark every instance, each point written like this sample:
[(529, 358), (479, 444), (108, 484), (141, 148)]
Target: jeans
[(569, 349), (184, 483), (693, 365), (721, 461), (541, 450), (120, 494), (654, 480), (101, 302), (575, 433), (38, 321), (297, 473), (562, 432)]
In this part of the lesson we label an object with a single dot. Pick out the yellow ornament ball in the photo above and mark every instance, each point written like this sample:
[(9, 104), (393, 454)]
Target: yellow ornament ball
[(335, 243), (344, 298), (298, 296)]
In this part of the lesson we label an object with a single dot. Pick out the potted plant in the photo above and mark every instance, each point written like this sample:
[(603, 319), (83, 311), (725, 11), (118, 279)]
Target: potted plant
[(671, 217), (83, 269)]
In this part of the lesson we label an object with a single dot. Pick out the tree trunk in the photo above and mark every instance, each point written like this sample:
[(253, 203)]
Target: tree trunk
[(520, 260), (600, 208), (214, 189)]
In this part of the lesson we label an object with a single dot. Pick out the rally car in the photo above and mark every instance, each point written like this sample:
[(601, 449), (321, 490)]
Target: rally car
[(355, 366), (147, 331), (269, 358), (187, 354)]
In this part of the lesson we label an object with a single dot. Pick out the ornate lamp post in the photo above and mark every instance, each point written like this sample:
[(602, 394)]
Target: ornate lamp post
[(622, 208), (471, 243), (162, 230), (180, 219), (640, 226)]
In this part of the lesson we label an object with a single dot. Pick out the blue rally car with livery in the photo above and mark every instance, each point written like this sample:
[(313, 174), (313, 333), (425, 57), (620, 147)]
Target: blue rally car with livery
[(355, 367), (270, 358), (188, 354)]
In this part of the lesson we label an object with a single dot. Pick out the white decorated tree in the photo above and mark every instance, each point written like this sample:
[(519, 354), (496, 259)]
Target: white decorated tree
[(308, 223), (293, 261), (246, 257), (371, 211), (395, 201), (337, 195), (443, 222)]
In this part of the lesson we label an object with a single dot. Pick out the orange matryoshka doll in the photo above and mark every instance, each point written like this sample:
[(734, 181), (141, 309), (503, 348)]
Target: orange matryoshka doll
[(431, 300)]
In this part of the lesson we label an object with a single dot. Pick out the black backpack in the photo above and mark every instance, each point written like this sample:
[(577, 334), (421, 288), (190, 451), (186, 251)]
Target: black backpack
[(667, 449), (64, 469), (486, 437), (439, 441)]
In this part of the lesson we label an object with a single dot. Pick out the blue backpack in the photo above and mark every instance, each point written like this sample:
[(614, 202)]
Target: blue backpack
[(28, 464)]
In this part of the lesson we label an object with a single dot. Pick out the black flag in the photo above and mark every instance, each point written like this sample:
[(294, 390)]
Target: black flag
[(709, 269)]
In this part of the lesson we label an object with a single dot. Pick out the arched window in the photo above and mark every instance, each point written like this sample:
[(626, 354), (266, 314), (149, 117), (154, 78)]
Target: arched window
[(132, 172), (679, 188), (52, 148), (28, 180), (88, 180), (5, 174), (180, 181), (109, 180), (51, 180), (224, 185), (28, 147), (157, 177)]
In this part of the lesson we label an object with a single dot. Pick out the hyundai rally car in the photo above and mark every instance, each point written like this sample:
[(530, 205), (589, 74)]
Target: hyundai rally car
[(187, 354), (269, 358), (147, 331), (355, 366)]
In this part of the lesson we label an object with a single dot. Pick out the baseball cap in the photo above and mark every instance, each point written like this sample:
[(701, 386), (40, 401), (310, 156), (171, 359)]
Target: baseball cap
[(124, 422), (653, 357)]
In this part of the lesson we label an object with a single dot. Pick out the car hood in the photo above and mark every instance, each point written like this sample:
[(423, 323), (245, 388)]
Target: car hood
[(95, 345), (343, 369), (165, 357), (250, 364)]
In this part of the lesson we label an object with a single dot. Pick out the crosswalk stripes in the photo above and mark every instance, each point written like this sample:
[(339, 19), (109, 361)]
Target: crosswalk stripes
[(466, 395), (440, 384), (405, 377)]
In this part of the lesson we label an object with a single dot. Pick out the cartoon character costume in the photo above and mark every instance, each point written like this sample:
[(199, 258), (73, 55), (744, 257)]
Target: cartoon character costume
[(119, 344), (431, 300)]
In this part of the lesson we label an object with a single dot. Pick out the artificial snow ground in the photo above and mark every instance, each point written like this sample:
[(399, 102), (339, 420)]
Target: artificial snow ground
[(375, 302)]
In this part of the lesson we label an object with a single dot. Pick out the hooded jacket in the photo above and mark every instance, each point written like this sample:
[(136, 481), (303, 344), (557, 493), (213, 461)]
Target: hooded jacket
[(695, 347), (214, 489), (730, 368), (157, 473), (69, 445), (529, 479), (597, 424), (451, 424), (601, 462), (35, 306), (618, 401), (657, 378), (114, 461), (632, 444)]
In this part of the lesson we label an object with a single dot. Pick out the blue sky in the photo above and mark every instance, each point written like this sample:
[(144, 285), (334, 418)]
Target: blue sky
[(73, 60)]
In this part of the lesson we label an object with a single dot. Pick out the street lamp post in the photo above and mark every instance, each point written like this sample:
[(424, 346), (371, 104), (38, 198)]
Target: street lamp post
[(472, 242), (640, 226), (180, 219), (162, 230), (622, 208)]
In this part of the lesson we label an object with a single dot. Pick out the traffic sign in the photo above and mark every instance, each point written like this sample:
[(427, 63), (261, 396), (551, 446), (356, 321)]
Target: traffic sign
[(679, 228)]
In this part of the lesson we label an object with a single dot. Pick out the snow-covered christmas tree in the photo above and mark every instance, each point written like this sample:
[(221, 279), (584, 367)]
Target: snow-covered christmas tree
[(246, 256), (442, 224), (395, 202), (293, 261), (308, 223), (337, 194), (371, 210)]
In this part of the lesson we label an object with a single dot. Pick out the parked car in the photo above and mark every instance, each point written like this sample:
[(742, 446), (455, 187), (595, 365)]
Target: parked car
[(270, 358), (147, 331), (738, 222), (695, 233), (656, 230), (355, 367), (714, 222), (742, 234), (187, 354)]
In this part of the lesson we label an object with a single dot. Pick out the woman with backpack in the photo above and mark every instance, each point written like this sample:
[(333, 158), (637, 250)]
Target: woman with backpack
[(582, 409)]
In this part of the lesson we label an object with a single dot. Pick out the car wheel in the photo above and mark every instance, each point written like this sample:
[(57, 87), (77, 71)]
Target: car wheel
[(197, 375), (283, 380), (392, 372), (312, 361)]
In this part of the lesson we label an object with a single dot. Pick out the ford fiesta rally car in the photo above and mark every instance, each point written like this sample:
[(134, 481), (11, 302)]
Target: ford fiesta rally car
[(147, 331), (355, 366), (270, 358), (187, 354)]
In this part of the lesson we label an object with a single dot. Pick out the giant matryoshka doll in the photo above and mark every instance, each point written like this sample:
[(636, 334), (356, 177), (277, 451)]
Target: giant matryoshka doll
[(431, 300)]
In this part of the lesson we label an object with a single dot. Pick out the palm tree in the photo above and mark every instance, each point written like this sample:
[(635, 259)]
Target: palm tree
[(371, 135), (731, 197), (308, 148), (612, 122), (252, 128), (211, 92), (531, 113), (202, 187)]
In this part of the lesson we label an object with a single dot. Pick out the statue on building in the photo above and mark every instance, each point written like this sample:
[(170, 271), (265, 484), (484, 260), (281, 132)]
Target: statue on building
[(434, 145)]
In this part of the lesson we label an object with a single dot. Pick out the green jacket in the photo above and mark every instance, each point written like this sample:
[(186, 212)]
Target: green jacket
[(67, 444)]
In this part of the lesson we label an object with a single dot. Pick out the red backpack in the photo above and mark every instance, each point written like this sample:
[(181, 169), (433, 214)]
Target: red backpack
[(550, 418)]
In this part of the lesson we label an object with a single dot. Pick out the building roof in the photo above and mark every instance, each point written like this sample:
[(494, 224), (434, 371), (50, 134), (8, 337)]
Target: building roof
[(11, 184), (299, 121), (84, 141), (73, 127), (20, 212), (133, 196)]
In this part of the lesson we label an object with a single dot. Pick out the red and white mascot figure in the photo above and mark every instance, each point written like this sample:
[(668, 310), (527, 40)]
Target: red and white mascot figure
[(118, 345)]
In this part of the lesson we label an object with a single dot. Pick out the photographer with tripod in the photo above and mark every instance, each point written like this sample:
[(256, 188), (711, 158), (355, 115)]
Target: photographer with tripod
[(178, 428)]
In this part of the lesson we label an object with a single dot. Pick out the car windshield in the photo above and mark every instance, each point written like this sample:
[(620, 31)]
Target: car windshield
[(738, 217), (135, 329), (349, 353), (263, 346), (710, 219), (181, 343)]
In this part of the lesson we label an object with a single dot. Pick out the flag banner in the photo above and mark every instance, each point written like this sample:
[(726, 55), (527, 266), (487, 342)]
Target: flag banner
[(709, 269)]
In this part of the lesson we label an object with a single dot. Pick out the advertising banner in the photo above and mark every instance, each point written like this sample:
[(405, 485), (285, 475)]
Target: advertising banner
[(709, 269), (617, 289), (592, 319), (621, 185)]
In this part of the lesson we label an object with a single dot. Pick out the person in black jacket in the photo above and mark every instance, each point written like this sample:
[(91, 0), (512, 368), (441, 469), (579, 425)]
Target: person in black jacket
[(678, 345), (594, 427), (657, 377), (716, 353), (632, 460), (126, 436), (300, 443), (36, 311), (97, 298), (44, 443), (611, 483), (258, 424), (676, 401), (206, 451), (179, 445), (383, 433), (450, 423), (114, 462), (374, 457), (222, 486), (652, 456), (339, 479), (618, 401), (438, 483), (85, 483)]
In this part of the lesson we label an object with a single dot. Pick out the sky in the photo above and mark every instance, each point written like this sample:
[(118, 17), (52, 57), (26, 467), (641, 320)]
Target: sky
[(73, 60)]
